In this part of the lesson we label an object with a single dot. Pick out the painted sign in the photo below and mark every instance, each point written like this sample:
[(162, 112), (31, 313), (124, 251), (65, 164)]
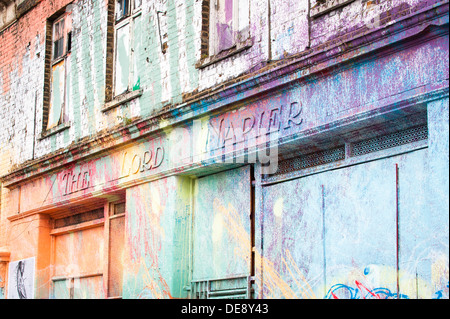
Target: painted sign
[(74, 182), (253, 121), (133, 163)]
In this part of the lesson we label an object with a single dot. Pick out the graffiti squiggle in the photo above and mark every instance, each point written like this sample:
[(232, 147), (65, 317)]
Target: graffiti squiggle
[(341, 291), (441, 294), (275, 284)]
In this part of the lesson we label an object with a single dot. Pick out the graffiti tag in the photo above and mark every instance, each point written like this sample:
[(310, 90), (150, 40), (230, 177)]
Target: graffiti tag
[(342, 291)]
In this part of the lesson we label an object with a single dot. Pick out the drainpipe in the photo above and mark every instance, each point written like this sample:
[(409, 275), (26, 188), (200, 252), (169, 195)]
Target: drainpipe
[(269, 27), (309, 25), (34, 124)]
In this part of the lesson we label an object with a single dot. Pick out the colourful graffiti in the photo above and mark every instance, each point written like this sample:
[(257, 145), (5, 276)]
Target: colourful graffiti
[(284, 278), (341, 291), (442, 294), (274, 283)]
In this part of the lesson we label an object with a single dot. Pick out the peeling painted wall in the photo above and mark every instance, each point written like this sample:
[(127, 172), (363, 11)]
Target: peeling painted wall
[(369, 227), (157, 239), (166, 77)]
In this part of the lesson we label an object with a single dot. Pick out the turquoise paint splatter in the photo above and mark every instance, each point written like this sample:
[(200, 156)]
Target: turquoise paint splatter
[(137, 53), (123, 60)]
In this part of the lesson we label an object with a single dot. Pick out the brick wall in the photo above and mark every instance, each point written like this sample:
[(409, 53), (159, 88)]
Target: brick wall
[(360, 16), (172, 41)]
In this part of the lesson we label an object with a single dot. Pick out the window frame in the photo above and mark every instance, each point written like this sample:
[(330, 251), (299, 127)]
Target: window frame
[(125, 19), (98, 222), (81, 224), (325, 6), (50, 65), (237, 36), (112, 214), (210, 54)]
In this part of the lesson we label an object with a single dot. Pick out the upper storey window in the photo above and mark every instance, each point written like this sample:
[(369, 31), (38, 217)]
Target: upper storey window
[(127, 31), (320, 7), (62, 36), (229, 24), (61, 43), (7, 13)]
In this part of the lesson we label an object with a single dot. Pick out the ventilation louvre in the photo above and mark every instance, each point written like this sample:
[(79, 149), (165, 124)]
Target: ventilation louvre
[(310, 160), (232, 288), (79, 218), (379, 143)]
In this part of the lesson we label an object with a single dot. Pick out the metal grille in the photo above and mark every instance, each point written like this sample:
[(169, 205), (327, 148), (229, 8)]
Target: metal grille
[(79, 218), (388, 141), (310, 160), (233, 288)]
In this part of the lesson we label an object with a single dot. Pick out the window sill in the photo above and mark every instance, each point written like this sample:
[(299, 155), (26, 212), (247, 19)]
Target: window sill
[(79, 276), (57, 129), (328, 6), (121, 99), (241, 46)]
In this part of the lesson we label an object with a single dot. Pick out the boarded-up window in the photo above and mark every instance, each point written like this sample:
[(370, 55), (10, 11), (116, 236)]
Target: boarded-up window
[(78, 264), (127, 35), (222, 227), (60, 67), (87, 254), (229, 24), (319, 226)]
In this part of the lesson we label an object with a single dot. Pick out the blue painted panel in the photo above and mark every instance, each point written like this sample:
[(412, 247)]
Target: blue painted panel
[(334, 234), (360, 227), (292, 261), (221, 231)]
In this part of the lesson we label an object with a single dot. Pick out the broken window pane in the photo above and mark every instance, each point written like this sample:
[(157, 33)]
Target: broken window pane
[(58, 39), (121, 9)]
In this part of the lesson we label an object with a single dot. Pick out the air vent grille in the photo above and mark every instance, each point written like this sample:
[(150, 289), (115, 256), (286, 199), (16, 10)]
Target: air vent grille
[(379, 143), (79, 218), (232, 288), (310, 160)]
